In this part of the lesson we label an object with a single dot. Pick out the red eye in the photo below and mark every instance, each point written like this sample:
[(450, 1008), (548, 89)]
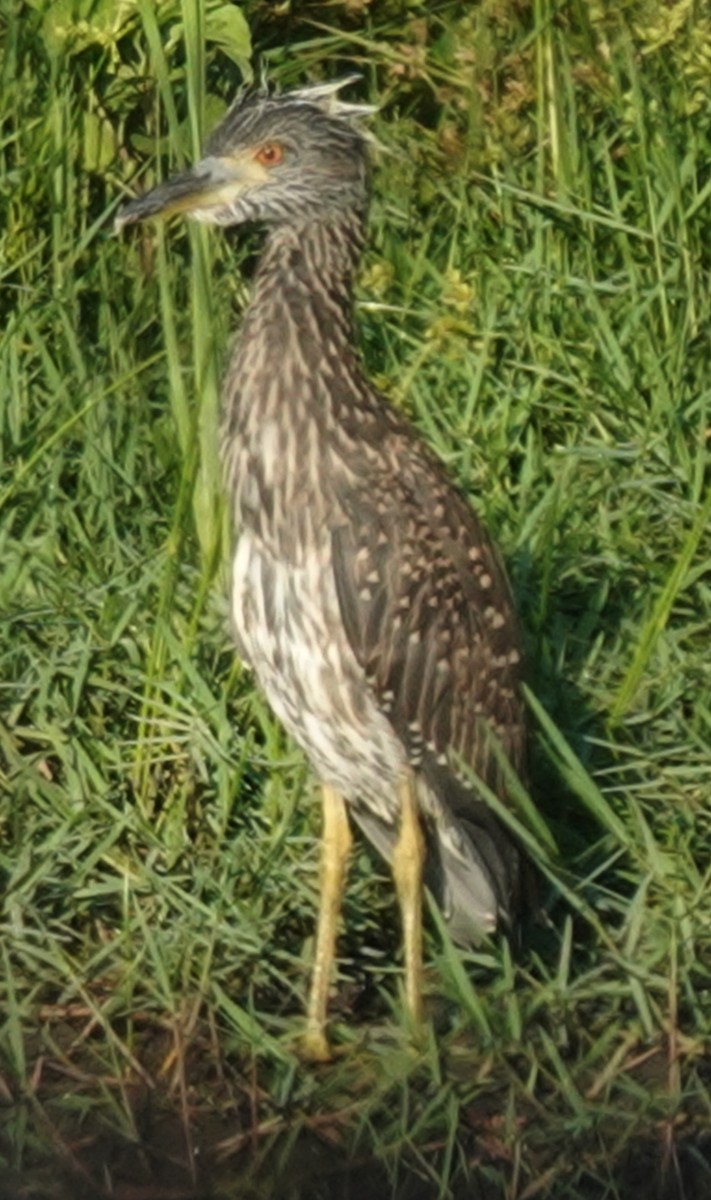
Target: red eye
[(269, 154)]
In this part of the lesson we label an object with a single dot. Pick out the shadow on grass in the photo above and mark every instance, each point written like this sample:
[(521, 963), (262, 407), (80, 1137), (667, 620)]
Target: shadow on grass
[(193, 1128)]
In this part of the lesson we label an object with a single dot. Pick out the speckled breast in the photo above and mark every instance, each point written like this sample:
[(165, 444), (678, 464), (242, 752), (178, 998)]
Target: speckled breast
[(288, 629)]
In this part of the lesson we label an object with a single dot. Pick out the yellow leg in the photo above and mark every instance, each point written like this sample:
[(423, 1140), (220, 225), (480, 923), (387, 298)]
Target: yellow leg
[(408, 861), (336, 844)]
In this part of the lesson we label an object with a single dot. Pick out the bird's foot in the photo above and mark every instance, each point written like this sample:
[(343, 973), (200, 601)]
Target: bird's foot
[(314, 1047)]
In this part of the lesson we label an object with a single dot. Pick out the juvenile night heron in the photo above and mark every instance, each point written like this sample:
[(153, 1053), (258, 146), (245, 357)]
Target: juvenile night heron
[(366, 596)]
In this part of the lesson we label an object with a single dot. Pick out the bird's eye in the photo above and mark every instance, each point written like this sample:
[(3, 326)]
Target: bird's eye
[(269, 154)]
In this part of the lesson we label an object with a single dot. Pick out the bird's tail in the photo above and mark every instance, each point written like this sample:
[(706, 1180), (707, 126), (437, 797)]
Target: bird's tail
[(473, 866)]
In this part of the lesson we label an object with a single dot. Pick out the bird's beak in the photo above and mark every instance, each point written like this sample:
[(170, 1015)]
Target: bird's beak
[(206, 190)]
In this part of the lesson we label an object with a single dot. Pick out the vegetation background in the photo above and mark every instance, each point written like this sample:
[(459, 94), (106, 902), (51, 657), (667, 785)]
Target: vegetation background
[(536, 295)]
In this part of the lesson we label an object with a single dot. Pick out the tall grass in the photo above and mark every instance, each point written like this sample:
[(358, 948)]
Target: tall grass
[(536, 297)]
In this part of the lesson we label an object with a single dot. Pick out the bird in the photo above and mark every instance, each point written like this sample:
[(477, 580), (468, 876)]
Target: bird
[(367, 597)]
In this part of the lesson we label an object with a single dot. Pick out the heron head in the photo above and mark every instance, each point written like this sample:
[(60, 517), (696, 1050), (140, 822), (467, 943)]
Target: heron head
[(281, 158)]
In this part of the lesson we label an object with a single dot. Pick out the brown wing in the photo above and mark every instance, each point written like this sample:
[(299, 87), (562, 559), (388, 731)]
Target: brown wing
[(427, 609)]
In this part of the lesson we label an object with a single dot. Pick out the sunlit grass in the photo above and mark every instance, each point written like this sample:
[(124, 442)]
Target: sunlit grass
[(536, 297)]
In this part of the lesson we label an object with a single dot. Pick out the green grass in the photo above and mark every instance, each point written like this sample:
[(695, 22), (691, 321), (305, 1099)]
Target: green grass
[(536, 296)]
